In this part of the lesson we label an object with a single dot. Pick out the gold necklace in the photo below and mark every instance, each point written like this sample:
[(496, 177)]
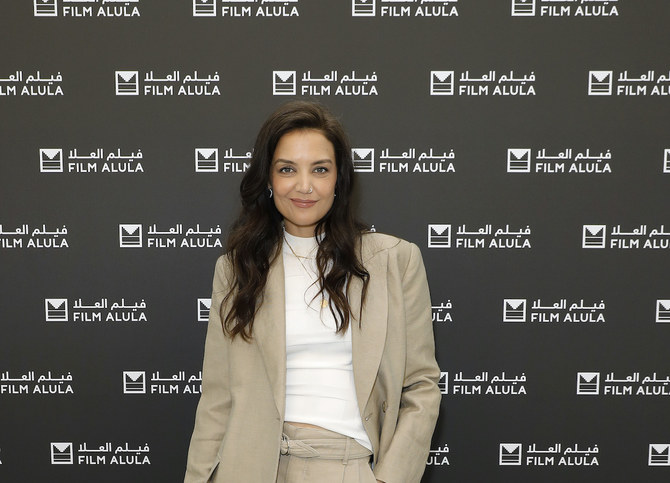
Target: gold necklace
[(324, 302)]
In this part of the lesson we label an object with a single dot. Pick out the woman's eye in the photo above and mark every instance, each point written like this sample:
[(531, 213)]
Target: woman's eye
[(321, 169), (285, 169)]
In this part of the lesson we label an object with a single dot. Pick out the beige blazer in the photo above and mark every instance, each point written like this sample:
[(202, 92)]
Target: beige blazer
[(239, 419)]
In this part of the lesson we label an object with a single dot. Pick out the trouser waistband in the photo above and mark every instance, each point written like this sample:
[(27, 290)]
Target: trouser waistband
[(320, 443)]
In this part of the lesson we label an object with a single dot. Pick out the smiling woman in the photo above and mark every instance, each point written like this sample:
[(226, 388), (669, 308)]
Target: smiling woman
[(319, 359), (303, 179)]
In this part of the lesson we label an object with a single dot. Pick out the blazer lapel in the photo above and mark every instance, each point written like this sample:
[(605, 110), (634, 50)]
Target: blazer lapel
[(270, 332), (368, 341)]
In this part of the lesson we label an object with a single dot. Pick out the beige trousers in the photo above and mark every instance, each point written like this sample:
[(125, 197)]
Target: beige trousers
[(310, 455)]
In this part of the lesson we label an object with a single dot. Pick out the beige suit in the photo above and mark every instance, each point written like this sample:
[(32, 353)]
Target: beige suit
[(240, 415)]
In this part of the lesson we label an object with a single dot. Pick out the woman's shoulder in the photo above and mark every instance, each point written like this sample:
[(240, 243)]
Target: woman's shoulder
[(374, 242)]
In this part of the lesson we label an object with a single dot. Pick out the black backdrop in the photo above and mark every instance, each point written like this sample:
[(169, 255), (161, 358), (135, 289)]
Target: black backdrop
[(522, 144)]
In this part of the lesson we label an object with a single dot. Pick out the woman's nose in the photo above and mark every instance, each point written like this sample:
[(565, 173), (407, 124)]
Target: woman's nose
[(304, 185)]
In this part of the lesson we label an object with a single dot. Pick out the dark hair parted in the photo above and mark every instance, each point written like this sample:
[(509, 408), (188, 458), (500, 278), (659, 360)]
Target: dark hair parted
[(256, 236)]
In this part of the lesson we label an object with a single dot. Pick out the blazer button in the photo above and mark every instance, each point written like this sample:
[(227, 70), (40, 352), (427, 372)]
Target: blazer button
[(384, 406)]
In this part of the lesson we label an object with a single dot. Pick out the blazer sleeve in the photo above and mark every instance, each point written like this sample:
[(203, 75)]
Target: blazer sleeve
[(405, 460), (214, 405)]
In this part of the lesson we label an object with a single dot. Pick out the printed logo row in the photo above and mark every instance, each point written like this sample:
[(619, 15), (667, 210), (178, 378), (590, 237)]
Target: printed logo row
[(489, 236), (513, 311), (208, 160), (593, 236), (450, 383), (134, 382), (410, 160), (449, 8), (519, 454), (509, 454), (558, 454), (552, 313), (336, 83), (588, 384), (200, 8), (291, 8)]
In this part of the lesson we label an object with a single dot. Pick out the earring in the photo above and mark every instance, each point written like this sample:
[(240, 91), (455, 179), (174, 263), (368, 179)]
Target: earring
[(269, 192), (310, 189)]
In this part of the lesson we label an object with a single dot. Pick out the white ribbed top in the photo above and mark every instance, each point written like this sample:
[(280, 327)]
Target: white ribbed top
[(319, 372)]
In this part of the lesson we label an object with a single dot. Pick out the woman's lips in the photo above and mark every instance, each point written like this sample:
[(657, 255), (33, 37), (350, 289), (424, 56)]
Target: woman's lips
[(303, 203)]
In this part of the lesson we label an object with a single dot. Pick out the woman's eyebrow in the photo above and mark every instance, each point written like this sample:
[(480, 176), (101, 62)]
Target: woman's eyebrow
[(319, 161)]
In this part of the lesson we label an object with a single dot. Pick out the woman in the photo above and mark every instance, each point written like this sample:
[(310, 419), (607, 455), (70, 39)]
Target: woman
[(319, 358)]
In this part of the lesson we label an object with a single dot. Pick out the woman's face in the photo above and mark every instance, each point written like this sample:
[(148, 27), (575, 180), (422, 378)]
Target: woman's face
[(302, 176)]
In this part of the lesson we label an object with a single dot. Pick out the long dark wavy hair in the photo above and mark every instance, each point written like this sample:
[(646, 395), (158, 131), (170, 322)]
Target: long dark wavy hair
[(256, 236)]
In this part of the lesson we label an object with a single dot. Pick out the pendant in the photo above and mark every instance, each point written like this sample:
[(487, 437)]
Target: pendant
[(324, 303)]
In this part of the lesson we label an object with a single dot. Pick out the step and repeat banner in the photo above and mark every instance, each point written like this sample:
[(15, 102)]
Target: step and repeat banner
[(524, 145)]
